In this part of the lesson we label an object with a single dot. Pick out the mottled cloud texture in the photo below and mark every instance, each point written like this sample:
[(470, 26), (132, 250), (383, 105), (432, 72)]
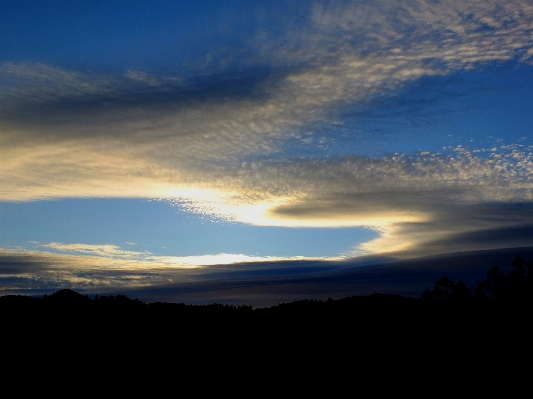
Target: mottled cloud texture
[(217, 143)]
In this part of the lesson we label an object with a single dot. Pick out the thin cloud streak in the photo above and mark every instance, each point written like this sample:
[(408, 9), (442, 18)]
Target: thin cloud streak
[(147, 259)]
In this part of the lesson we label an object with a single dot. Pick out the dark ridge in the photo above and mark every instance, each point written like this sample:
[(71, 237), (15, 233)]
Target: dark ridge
[(513, 288), (67, 296), (450, 320)]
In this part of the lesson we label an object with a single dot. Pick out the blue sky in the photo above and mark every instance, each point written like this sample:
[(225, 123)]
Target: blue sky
[(158, 135)]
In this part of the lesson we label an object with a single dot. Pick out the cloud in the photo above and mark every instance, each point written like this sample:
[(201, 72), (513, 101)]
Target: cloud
[(456, 228), (39, 270), (259, 284), (215, 143), (98, 250), (107, 267), (149, 260)]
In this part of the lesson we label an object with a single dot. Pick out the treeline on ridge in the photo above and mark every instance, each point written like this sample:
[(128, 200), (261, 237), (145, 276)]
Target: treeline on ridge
[(497, 288), (450, 318)]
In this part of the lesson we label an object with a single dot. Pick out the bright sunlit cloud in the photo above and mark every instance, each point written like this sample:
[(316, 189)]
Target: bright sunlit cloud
[(146, 259)]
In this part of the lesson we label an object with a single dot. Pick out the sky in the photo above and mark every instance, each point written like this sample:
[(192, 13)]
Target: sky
[(151, 142)]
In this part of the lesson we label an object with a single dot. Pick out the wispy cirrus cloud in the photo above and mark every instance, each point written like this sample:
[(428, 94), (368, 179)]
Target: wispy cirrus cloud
[(106, 250), (147, 259)]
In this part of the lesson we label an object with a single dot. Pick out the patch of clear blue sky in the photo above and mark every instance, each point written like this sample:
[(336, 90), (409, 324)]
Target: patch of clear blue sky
[(163, 229), (122, 34)]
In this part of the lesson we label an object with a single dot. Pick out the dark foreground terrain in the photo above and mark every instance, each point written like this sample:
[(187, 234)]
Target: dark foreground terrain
[(448, 323)]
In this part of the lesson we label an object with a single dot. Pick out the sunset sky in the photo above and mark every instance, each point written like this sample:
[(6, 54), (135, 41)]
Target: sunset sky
[(149, 142)]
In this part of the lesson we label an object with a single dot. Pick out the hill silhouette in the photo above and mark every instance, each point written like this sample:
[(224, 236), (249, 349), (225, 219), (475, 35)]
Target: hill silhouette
[(514, 289), (449, 318), (67, 296)]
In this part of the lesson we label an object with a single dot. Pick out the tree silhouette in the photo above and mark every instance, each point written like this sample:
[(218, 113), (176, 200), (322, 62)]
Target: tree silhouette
[(516, 285), (446, 290)]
